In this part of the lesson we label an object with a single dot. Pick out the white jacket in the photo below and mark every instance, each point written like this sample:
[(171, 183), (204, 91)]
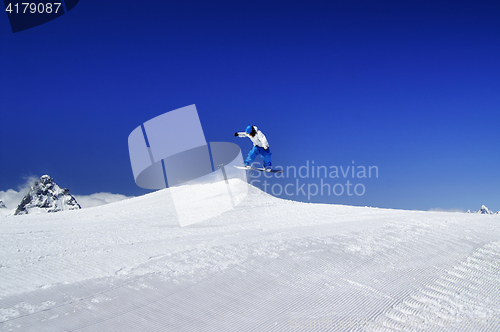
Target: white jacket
[(259, 139)]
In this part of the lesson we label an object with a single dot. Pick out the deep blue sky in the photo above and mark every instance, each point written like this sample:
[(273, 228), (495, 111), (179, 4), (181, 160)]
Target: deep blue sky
[(412, 87)]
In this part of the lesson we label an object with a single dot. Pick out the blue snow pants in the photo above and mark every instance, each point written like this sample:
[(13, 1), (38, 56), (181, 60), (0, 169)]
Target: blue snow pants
[(256, 150)]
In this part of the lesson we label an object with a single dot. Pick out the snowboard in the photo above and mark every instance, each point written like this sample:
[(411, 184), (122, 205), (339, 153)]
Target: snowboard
[(262, 169)]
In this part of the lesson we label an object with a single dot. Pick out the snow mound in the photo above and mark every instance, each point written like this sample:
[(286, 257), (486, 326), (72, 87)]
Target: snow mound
[(266, 265)]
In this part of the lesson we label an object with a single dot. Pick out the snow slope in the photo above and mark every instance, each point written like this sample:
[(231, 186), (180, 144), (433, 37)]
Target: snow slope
[(268, 265)]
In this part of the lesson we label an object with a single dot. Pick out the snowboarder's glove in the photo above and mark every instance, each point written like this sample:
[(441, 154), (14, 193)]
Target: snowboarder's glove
[(266, 147), (236, 134)]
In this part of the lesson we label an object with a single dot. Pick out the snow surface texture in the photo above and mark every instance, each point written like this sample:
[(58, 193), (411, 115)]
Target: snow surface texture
[(46, 196), (267, 265)]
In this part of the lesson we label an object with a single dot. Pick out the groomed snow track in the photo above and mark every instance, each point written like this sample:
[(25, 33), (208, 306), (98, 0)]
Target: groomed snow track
[(268, 265)]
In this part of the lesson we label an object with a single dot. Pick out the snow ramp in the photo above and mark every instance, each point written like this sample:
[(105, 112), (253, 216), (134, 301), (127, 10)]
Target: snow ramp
[(267, 265)]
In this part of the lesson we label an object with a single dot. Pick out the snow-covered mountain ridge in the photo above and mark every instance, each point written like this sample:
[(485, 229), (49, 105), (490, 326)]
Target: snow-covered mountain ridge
[(46, 196), (484, 210), (267, 265)]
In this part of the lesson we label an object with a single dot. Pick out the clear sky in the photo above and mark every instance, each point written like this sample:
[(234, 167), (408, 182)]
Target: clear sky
[(411, 87)]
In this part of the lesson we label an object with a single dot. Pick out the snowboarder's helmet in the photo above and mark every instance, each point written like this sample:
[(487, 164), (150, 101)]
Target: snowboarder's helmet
[(249, 129)]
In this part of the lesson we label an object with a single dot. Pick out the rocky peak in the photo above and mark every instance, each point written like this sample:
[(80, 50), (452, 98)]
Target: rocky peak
[(46, 196), (485, 210)]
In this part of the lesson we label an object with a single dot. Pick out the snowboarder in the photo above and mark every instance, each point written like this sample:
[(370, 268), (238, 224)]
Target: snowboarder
[(260, 146)]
